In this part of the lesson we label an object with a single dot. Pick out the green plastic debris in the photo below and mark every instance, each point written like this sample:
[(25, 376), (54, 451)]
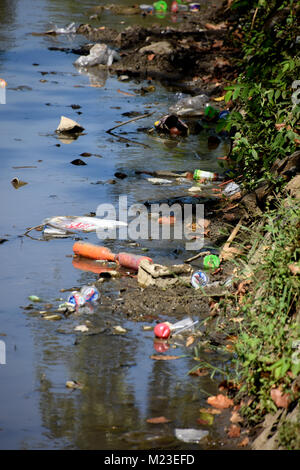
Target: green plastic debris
[(211, 261), (34, 298)]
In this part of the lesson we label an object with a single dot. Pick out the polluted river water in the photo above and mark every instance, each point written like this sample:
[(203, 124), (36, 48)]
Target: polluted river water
[(122, 385)]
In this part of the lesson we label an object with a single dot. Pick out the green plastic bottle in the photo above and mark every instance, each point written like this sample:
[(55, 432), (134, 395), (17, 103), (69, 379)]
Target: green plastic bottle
[(210, 112)]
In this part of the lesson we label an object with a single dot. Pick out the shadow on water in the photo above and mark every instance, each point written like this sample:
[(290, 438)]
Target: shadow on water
[(122, 386)]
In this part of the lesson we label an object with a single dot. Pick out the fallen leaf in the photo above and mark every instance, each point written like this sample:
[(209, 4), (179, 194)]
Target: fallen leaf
[(164, 358), (218, 43), (281, 400), (237, 319), (221, 62), (241, 286), (244, 442), (235, 418), (158, 420), (234, 431), (150, 57), (189, 341), (230, 252), (278, 127), (215, 26), (220, 98), (220, 401), (294, 268)]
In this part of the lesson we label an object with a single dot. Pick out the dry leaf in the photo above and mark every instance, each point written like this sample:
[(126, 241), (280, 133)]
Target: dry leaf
[(164, 358), (235, 418), (215, 27), (189, 341), (150, 57), (218, 43), (220, 98), (158, 420), (230, 252), (281, 400), (237, 319), (220, 401), (244, 442), (221, 62), (199, 372), (279, 126), (234, 431), (294, 268)]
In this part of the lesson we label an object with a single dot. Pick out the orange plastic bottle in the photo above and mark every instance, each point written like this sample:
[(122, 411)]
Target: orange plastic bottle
[(127, 260), (88, 250)]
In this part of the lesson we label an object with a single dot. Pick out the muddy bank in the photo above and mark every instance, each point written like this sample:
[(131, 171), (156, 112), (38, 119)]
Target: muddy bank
[(197, 53)]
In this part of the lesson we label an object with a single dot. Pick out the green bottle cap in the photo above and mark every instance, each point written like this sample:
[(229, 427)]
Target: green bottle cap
[(211, 261)]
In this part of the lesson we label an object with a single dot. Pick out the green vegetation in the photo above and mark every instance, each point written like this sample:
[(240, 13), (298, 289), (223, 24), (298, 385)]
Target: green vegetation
[(264, 118), (266, 347), (266, 93)]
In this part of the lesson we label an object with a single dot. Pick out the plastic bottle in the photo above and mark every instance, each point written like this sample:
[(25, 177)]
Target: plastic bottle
[(211, 262), (89, 293), (88, 250), (147, 8), (127, 260), (199, 278), (187, 324), (210, 112), (160, 6), (200, 174), (162, 330), (174, 7), (76, 299)]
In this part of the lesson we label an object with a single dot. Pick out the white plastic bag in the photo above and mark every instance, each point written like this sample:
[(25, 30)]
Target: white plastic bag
[(100, 54), (83, 224)]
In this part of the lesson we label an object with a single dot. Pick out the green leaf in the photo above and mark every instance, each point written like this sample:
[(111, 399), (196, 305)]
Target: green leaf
[(228, 96), (236, 93)]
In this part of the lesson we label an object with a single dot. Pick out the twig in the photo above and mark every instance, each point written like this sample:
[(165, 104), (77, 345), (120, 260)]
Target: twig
[(254, 16), (202, 253), (124, 139), (231, 237), (130, 120)]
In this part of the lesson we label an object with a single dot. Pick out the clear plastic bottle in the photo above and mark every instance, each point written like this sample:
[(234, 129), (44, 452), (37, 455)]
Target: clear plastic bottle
[(89, 293)]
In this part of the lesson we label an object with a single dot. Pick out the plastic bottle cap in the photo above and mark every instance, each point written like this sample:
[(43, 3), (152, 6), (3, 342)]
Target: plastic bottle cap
[(211, 261), (162, 330)]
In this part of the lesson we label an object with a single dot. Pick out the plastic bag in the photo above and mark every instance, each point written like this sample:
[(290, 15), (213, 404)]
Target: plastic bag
[(100, 54), (190, 106), (83, 224)]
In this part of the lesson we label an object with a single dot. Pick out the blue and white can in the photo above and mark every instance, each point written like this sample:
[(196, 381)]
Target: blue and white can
[(90, 293), (199, 279), (76, 299)]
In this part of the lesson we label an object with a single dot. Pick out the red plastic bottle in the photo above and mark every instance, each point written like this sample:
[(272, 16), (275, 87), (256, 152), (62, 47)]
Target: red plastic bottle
[(174, 7), (127, 260)]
